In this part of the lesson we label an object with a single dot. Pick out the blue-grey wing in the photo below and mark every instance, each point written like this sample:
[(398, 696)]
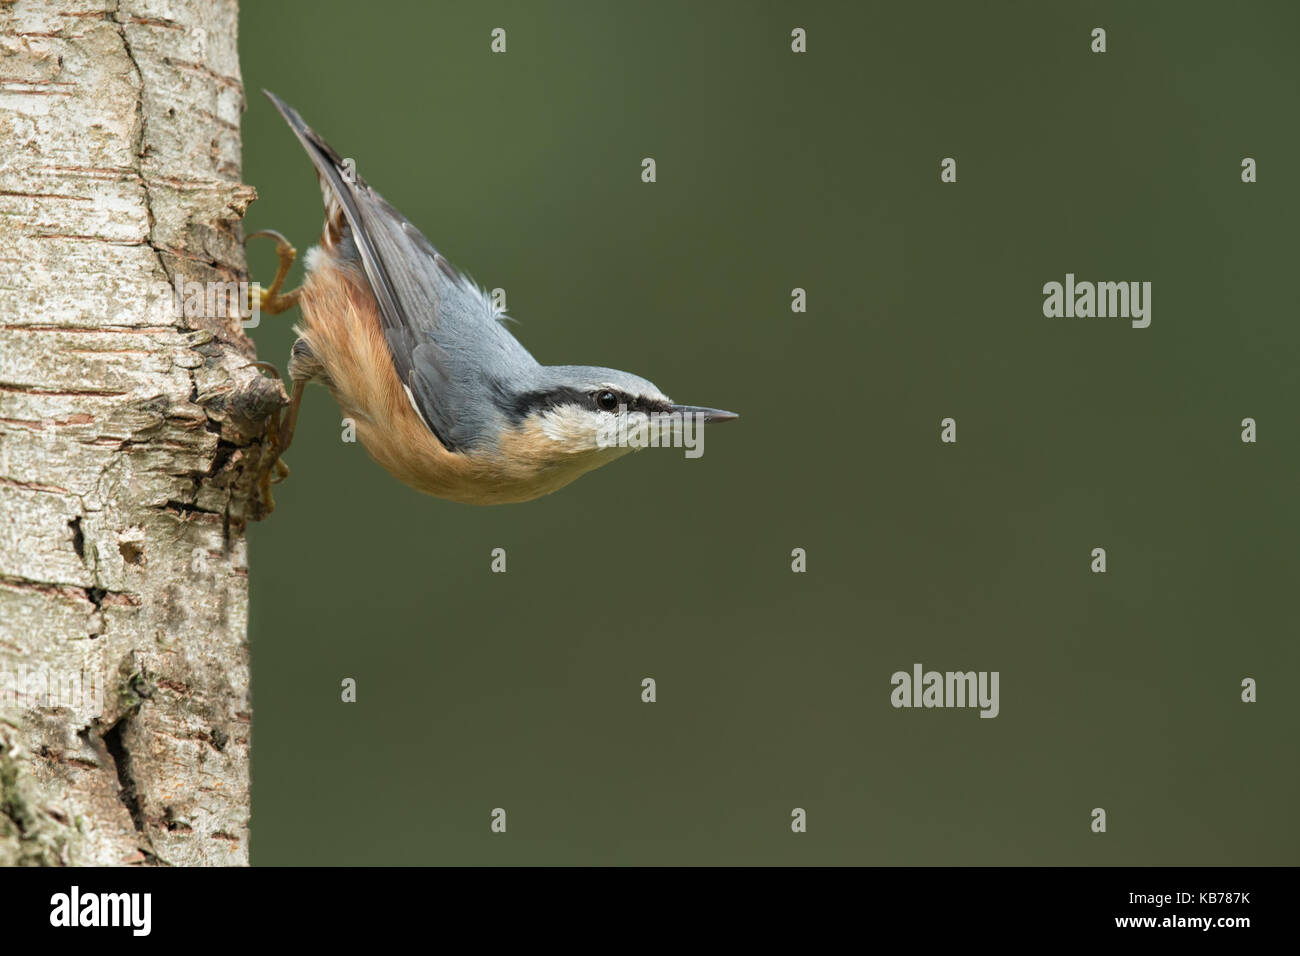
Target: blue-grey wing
[(443, 333)]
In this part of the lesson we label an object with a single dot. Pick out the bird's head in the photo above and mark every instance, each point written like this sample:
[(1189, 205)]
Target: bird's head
[(594, 414)]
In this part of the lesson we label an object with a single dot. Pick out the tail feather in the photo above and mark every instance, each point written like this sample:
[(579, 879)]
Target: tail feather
[(332, 173), (353, 214)]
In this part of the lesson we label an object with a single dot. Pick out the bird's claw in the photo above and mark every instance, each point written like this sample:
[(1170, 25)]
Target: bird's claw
[(277, 470), (270, 299)]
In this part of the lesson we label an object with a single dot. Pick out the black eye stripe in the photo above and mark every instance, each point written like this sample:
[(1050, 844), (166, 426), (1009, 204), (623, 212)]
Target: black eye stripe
[(542, 401), (649, 405), (634, 403), (533, 402)]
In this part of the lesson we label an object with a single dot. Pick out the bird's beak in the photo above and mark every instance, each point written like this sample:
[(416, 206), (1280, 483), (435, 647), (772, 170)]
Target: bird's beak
[(710, 414)]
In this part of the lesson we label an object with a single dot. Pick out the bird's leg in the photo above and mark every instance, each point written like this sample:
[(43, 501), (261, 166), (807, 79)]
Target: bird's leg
[(272, 301), (279, 428), (279, 433), (290, 420), (265, 480)]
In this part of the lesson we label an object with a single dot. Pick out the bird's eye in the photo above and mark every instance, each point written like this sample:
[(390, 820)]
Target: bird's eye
[(607, 400)]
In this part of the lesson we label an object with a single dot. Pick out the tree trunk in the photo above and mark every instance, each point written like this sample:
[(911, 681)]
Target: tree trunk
[(131, 436)]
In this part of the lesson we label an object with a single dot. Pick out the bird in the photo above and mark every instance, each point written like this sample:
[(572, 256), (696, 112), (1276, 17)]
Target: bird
[(443, 396)]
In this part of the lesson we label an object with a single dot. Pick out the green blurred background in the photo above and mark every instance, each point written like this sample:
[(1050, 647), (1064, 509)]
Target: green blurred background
[(775, 170)]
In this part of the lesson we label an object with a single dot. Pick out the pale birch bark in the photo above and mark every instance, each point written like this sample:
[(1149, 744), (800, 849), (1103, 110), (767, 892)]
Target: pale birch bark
[(130, 437)]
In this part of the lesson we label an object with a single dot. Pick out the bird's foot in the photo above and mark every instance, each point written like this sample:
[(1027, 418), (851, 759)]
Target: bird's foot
[(271, 300), (278, 469), (276, 441)]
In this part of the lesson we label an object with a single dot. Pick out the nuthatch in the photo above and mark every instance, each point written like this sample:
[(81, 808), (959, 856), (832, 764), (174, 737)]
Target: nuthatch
[(443, 396)]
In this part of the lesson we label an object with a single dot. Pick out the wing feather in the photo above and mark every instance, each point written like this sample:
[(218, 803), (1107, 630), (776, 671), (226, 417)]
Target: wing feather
[(442, 331)]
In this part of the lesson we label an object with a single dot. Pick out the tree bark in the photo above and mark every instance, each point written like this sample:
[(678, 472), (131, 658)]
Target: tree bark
[(132, 437)]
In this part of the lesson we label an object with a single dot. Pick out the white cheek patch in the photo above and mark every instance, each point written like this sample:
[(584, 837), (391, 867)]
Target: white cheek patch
[(570, 425), (582, 429), (563, 424)]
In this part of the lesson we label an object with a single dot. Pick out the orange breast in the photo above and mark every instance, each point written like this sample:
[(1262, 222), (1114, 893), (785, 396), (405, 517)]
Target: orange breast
[(341, 327)]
